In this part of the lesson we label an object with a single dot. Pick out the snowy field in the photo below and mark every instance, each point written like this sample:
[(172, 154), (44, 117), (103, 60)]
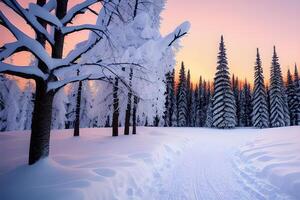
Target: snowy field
[(158, 163)]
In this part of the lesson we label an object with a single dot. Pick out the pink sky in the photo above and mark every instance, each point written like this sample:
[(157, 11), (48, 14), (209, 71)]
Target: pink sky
[(245, 24)]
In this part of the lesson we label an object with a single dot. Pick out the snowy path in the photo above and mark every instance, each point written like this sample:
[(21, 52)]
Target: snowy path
[(208, 169)]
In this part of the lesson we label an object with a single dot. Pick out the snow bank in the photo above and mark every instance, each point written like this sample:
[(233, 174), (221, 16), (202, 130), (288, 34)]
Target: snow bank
[(273, 158), (93, 166)]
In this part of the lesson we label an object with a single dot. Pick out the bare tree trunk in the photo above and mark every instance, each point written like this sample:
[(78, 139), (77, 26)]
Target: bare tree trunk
[(115, 120), (41, 123), (135, 102), (77, 112), (128, 109)]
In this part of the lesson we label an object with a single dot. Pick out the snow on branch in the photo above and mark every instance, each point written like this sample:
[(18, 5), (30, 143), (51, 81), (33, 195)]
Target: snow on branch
[(28, 72), (179, 32), (30, 18), (50, 5), (70, 29), (23, 41), (59, 84), (43, 13), (77, 9)]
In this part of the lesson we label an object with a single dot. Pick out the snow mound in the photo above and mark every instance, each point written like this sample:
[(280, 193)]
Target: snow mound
[(273, 157), (94, 166)]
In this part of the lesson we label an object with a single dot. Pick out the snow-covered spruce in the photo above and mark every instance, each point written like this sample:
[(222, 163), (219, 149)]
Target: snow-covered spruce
[(297, 90), (279, 114), (260, 113), (246, 107), (293, 100), (223, 107), (181, 98)]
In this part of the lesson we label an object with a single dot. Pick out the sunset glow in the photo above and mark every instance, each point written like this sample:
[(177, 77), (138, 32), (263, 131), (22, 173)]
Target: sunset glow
[(246, 25)]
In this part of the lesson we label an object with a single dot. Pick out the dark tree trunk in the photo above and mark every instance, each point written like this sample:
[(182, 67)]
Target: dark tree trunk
[(115, 120), (40, 126), (135, 102), (77, 111), (41, 123), (128, 109), (58, 49)]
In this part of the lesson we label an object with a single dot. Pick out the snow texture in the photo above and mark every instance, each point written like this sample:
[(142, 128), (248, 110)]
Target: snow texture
[(158, 163)]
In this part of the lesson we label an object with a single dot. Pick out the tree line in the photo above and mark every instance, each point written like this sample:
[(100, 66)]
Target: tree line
[(228, 102)]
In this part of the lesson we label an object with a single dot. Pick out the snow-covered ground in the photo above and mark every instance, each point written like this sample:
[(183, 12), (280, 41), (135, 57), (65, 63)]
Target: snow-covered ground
[(158, 163)]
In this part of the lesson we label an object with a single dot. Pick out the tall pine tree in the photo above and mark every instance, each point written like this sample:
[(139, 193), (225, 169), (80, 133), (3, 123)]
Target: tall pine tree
[(279, 115), (182, 98), (293, 100), (297, 89), (260, 113), (223, 108)]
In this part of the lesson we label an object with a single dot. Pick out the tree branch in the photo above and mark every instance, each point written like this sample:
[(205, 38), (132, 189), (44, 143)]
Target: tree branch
[(28, 72), (77, 9)]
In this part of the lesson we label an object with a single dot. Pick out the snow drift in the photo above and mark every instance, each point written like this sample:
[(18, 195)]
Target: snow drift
[(158, 163)]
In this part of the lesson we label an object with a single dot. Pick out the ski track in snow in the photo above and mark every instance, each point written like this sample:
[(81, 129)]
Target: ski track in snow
[(210, 169)]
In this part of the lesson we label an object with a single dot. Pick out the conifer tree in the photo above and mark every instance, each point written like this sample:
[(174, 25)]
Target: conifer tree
[(182, 98), (246, 108), (236, 93), (260, 113), (173, 107), (297, 90), (168, 100), (209, 113), (293, 100), (279, 115), (189, 98), (196, 107), (223, 107)]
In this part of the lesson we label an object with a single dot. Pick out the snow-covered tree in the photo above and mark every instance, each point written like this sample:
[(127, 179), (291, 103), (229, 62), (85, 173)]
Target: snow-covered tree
[(278, 102), (188, 98), (86, 107), (196, 107), (224, 110), (53, 72), (260, 113), (297, 90), (71, 105), (293, 100), (246, 107), (26, 106), (168, 100), (236, 93), (10, 94), (181, 98), (138, 39), (209, 113), (59, 110)]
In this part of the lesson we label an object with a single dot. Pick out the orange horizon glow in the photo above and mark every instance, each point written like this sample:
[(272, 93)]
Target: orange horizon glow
[(246, 25)]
